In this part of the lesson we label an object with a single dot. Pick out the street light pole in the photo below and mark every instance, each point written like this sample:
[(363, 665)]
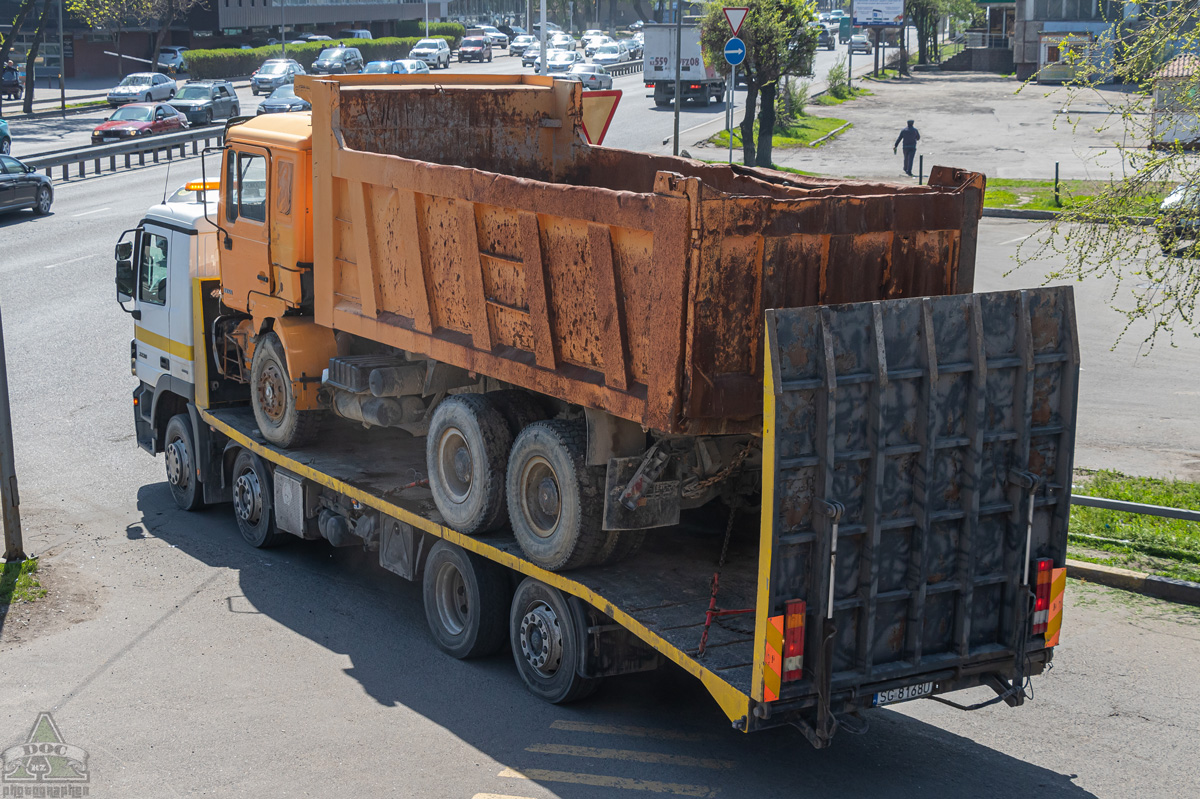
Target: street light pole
[(14, 546), (678, 66), (283, 27), (62, 63), (426, 19)]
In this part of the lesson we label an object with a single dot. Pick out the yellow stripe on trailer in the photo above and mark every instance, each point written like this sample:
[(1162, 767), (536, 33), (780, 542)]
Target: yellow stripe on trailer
[(766, 538)]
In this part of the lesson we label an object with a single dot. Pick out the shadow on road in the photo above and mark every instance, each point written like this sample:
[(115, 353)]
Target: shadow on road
[(342, 600)]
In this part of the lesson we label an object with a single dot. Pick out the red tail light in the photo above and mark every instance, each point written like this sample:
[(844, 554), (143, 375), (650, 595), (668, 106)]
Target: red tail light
[(694, 86), (1041, 606), (793, 640)]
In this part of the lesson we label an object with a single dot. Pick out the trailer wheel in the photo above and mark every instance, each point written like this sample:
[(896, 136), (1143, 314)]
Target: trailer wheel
[(465, 453), (180, 455), (619, 545), (252, 501), (271, 397), (545, 644), (555, 500), (519, 408), (465, 601)]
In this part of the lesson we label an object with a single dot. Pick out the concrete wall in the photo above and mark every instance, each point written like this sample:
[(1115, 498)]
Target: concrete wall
[(981, 59)]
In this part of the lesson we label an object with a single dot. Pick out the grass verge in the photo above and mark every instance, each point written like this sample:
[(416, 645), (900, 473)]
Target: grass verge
[(19, 582), (829, 99), (798, 132), (1038, 195), (1168, 547)]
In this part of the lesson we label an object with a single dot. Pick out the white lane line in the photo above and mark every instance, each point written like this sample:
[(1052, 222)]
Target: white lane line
[(94, 211), (1019, 238), (64, 263)]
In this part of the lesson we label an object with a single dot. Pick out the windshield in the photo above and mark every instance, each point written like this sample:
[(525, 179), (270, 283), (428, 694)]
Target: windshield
[(474, 42), (136, 80), (133, 113), (332, 54), (414, 66), (608, 48), (379, 66), (273, 69), (192, 93), (581, 69), (562, 56), (283, 93), (430, 43)]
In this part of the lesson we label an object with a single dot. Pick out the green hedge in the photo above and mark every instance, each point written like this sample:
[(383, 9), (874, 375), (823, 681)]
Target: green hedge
[(230, 63), (450, 31)]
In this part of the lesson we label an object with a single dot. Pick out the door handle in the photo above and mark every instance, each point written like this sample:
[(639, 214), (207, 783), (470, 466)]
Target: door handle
[(164, 363)]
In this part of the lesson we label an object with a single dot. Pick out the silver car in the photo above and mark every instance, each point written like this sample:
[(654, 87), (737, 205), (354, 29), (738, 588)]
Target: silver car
[(141, 87), (609, 54), (592, 76), (498, 37), (274, 72)]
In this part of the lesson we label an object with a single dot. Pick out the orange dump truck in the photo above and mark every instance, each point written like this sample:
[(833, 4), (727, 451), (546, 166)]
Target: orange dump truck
[(540, 350)]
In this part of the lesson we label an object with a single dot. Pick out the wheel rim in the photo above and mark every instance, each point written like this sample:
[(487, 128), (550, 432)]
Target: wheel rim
[(272, 392), (44, 200), (5, 147), (541, 639), (453, 604), (541, 496), (456, 464), (179, 467), (247, 497)]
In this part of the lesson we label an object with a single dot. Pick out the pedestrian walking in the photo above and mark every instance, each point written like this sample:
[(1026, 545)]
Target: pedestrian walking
[(909, 137)]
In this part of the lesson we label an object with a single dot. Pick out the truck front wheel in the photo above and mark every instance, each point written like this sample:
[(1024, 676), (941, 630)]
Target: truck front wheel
[(273, 401), (465, 601), (555, 500), (465, 453), (545, 644), (180, 452), (253, 505)]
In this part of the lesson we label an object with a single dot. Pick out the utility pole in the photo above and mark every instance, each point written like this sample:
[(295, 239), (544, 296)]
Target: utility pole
[(283, 28), (14, 546), (62, 63), (678, 66)]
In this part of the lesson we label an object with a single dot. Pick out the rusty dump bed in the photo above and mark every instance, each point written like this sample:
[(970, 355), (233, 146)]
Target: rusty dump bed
[(469, 221)]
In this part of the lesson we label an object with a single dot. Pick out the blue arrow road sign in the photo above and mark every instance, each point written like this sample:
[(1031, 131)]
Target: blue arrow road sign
[(735, 51)]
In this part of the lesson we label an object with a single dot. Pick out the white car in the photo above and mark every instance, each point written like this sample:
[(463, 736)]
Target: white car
[(562, 60), (594, 44), (172, 60), (563, 41), (592, 76), (520, 44), (434, 52), (499, 38), (142, 87), (609, 54)]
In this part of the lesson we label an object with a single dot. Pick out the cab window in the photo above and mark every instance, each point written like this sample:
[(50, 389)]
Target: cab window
[(152, 287), (246, 188)]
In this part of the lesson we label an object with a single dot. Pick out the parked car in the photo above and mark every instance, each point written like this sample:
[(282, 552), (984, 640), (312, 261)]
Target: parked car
[(5, 138), (171, 60), (532, 55), (637, 25), (1178, 221), (12, 83), (499, 39), (355, 33), (562, 60), (475, 48), (202, 101), (612, 53), (135, 120), (338, 61), (408, 66), (282, 100), (141, 87), (434, 52), (860, 43), (519, 45), (274, 72), (594, 43), (22, 186), (592, 76), (635, 48)]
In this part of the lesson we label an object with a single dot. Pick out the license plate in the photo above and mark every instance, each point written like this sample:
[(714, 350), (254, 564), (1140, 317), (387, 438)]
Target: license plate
[(110, 138), (902, 694)]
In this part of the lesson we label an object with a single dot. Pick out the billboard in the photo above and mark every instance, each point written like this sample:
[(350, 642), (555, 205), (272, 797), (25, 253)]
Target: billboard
[(879, 13)]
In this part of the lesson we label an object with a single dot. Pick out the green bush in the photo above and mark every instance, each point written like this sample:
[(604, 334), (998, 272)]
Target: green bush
[(230, 63), (837, 80), (450, 31)]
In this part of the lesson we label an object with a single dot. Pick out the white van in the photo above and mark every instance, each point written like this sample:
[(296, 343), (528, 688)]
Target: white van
[(354, 34)]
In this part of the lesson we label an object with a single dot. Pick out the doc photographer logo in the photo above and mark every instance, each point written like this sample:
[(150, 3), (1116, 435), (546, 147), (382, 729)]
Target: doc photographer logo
[(45, 760)]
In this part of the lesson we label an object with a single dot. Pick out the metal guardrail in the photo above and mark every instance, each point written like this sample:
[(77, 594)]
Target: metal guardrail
[(627, 68), (121, 155), (1135, 507)]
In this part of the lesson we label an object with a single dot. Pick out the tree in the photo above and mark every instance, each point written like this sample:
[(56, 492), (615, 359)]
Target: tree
[(165, 12), (1155, 271), (17, 21), (779, 41), (925, 15), (111, 15), (31, 56)]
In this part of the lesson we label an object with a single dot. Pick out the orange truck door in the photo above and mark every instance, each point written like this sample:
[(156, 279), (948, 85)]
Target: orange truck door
[(246, 259)]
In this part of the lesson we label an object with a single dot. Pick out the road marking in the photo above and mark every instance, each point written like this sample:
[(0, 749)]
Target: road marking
[(95, 211), (72, 261), (602, 781), (630, 754), (636, 732), (1014, 241)]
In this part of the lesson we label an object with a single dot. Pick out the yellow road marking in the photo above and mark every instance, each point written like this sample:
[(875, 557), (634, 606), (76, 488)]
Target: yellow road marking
[(601, 781), (636, 732), (630, 754)]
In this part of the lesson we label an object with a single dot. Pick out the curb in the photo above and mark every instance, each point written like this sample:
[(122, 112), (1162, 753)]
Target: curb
[(1170, 589), (1018, 213), (830, 134)]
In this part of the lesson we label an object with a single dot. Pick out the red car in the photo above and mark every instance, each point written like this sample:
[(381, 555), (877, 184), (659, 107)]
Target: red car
[(138, 119)]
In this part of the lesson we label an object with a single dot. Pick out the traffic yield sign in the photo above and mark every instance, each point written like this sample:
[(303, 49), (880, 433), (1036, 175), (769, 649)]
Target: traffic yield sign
[(735, 16), (735, 51)]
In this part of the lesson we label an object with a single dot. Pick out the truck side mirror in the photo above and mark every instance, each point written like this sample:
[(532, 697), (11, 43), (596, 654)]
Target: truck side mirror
[(126, 277)]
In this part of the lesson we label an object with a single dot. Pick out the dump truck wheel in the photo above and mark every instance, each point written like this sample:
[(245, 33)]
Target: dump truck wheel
[(272, 399), (519, 408), (466, 450), (180, 452), (620, 545), (466, 597), (545, 644), (555, 500), (253, 504)]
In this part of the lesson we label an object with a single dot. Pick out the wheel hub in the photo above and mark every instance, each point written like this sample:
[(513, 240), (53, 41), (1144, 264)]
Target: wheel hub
[(272, 390), (541, 497), (456, 464), (247, 497), (453, 607), (541, 639), (179, 466)]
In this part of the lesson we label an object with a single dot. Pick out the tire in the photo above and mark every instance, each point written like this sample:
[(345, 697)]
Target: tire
[(147, 99), (707, 100), (545, 644), (662, 103), (619, 545), (180, 452), (45, 198), (208, 116), (254, 91), (271, 397), (519, 408), (236, 112), (253, 501), (5, 146), (466, 450), (171, 96), (489, 58), (466, 599), (555, 500)]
